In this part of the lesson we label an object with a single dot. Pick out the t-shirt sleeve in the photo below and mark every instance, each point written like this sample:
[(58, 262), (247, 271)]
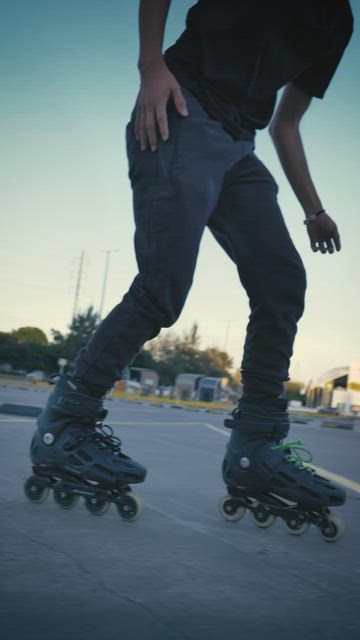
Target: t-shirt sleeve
[(315, 79)]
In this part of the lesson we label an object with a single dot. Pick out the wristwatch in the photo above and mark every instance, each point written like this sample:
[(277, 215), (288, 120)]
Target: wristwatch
[(313, 217)]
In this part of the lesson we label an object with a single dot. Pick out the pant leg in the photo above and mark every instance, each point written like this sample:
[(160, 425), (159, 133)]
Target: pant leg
[(174, 192), (249, 225)]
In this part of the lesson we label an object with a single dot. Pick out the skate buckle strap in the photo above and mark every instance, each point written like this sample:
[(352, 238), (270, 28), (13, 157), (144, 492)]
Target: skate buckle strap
[(296, 448)]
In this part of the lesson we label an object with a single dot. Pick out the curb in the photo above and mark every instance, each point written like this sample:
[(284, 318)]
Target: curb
[(20, 410), (336, 424)]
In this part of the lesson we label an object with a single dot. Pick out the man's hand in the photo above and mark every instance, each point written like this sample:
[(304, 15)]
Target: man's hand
[(323, 234), (158, 85)]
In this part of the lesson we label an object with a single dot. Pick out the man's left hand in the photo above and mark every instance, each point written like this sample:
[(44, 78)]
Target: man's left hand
[(324, 235)]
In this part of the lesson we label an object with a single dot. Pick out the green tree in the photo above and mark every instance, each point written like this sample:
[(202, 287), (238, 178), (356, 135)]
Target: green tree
[(81, 329), (192, 339), (216, 363), (144, 359), (11, 352), (173, 355), (28, 355), (32, 335)]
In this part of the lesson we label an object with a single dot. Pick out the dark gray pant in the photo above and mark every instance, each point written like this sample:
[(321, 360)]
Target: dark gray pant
[(200, 177)]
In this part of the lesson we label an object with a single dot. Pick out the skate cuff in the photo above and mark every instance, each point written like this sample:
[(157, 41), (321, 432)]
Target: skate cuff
[(81, 406), (260, 428)]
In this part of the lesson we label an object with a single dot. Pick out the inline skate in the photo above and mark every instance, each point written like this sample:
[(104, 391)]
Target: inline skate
[(271, 478), (75, 454)]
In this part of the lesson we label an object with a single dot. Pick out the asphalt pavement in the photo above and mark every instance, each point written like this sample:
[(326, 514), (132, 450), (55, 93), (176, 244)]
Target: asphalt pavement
[(179, 572)]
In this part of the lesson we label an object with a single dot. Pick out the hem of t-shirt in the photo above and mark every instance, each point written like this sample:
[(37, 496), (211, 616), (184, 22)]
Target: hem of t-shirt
[(310, 92)]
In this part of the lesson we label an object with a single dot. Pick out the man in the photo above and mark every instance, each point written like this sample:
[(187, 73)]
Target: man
[(191, 163)]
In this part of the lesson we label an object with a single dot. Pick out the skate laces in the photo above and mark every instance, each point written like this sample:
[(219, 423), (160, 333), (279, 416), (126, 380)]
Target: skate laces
[(101, 434), (296, 448), (104, 434)]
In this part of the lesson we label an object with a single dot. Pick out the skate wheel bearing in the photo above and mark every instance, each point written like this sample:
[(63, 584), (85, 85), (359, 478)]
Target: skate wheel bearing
[(332, 529), (230, 509), (65, 499), (129, 507), (97, 505), (297, 525), (36, 489), (263, 518)]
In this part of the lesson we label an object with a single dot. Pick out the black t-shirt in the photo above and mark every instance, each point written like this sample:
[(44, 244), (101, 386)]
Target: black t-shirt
[(234, 55)]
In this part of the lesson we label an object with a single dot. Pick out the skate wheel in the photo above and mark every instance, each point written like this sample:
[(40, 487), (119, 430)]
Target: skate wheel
[(36, 489), (333, 529), (65, 498), (230, 509), (297, 525), (263, 518), (130, 507), (97, 505)]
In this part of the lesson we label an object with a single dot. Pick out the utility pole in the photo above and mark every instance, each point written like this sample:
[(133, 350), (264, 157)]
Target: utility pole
[(227, 332), (108, 253), (77, 291)]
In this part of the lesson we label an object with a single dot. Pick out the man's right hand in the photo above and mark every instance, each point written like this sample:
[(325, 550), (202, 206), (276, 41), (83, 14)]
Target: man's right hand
[(158, 85)]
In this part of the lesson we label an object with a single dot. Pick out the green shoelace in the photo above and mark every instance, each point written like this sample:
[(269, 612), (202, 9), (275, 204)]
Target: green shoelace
[(295, 457)]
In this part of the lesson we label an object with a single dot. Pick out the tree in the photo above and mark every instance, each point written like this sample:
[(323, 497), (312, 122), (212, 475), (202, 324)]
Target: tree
[(173, 355), (81, 329), (28, 355), (10, 350), (192, 339), (144, 359), (216, 363), (32, 335)]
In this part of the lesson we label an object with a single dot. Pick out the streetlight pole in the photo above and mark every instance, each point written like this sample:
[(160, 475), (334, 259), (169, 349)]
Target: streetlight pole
[(110, 251), (227, 331)]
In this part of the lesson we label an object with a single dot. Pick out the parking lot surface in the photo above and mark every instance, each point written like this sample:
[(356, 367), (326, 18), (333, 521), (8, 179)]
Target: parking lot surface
[(180, 572)]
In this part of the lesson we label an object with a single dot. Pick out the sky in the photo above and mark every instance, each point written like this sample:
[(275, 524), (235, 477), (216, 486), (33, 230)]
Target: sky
[(69, 82)]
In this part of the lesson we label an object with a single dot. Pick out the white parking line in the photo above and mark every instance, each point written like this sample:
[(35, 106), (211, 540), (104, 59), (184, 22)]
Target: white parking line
[(345, 482)]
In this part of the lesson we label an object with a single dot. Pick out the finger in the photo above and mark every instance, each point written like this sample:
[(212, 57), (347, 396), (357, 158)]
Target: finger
[(151, 128), (322, 247), (330, 245), (136, 125), (162, 122), (314, 243), (142, 131), (336, 238), (180, 102)]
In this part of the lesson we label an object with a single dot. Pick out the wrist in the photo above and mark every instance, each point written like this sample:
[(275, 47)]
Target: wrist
[(149, 63), (313, 217), (311, 208)]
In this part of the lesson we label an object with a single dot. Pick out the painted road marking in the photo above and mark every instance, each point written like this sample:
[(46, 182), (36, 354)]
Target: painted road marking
[(349, 484), (345, 482), (29, 419)]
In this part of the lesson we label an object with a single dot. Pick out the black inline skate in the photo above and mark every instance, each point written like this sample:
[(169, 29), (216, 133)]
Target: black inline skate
[(271, 478), (75, 454)]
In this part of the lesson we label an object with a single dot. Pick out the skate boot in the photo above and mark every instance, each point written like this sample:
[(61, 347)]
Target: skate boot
[(75, 454), (271, 478)]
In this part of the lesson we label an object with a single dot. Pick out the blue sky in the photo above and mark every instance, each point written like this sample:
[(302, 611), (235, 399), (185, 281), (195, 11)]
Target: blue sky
[(69, 81)]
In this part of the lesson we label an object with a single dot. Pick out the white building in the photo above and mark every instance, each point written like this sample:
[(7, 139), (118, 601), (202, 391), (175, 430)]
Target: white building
[(337, 388)]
